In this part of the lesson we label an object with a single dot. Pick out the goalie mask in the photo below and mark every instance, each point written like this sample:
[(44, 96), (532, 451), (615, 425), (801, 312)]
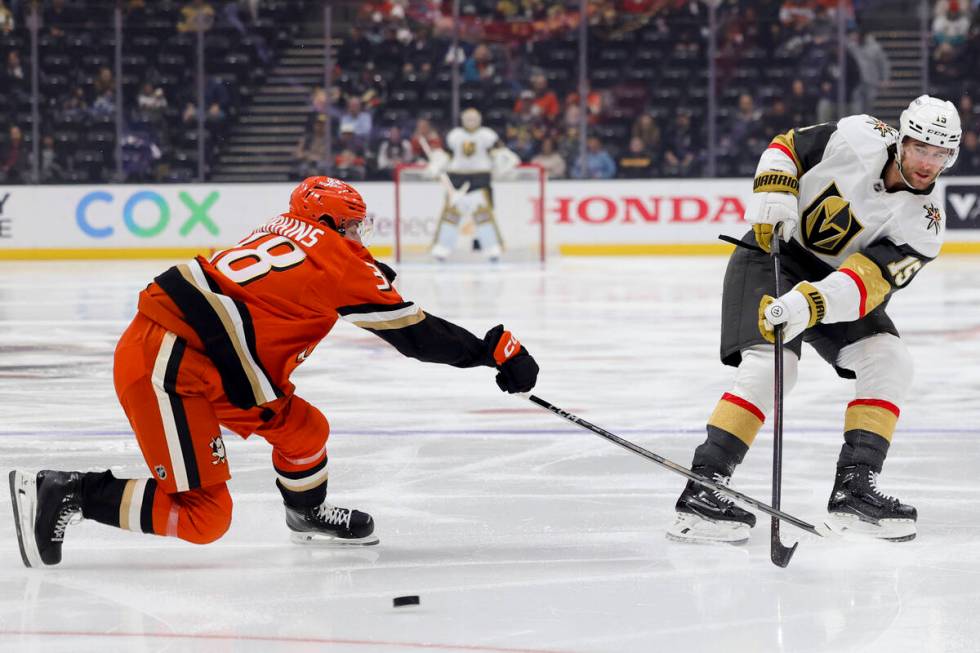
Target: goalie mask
[(932, 121), (471, 119), (333, 202)]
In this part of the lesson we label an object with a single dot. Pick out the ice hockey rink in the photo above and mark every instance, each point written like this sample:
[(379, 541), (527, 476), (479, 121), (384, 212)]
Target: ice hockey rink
[(519, 531)]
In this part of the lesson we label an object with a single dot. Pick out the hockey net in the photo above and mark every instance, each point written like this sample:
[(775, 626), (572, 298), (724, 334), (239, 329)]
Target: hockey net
[(518, 208)]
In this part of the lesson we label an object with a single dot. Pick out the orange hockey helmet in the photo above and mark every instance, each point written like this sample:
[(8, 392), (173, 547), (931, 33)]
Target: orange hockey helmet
[(317, 198)]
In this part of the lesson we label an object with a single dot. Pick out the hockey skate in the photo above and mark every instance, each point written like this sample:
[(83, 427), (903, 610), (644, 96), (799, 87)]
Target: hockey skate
[(44, 504), (707, 516), (857, 506), (329, 525)]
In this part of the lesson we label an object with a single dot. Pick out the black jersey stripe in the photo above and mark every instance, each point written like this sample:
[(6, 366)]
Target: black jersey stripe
[(180, 415), (372, 308), (146, 507), (219, 341)]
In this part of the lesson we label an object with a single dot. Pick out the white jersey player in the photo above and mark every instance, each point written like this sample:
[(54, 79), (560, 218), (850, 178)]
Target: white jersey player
[(477, 155), (857, 206)]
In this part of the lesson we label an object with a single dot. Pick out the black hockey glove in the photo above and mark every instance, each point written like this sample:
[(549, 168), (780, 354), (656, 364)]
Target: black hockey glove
[(517, 369)]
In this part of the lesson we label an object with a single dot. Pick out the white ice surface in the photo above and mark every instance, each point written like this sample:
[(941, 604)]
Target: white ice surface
[(519, 531)]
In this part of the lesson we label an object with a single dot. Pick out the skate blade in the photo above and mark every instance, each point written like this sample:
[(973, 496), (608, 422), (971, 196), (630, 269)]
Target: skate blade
[(23, 497), (892, 530), (692, 529), (326, 541)]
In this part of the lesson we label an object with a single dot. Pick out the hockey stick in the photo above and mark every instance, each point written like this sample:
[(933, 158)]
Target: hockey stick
[(674, 467), (778, 552)]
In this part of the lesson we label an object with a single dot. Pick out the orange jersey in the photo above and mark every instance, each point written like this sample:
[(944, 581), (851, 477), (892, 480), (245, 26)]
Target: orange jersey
[(259, 308)]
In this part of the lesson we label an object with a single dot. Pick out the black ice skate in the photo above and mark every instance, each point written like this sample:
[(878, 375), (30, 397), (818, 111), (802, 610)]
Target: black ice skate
[(857, 506), (44, 504), (327, 524), (704, 515)]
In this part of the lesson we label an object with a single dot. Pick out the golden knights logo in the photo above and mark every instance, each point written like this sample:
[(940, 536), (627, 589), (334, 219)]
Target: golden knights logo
[(882, 127), (829, 223), (934, 218)]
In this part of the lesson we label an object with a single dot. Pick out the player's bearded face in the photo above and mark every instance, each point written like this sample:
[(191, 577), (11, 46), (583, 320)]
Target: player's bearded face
[(922, 163)]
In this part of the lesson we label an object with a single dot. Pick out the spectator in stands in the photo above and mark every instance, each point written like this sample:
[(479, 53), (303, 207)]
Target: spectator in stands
[(104, 105), (140, 153), (598, 163), (968, 162), (198, 16), (215, 116), (826, 102), (50, 168), (800, 104), (393, 151), (355, 49), (75, 107), (680, 148), (745, 131), (543, 103), (350, 165), (636, 163), (969, 113), (424, 131), (646, 129), (777, 119), (6, 19), (13, 161), (594, 103), (152, 103), (550, 159), (479, 66), (874, 70), (14, 71), (356, 120), (311, 150), (949, 29), (104, 81), (58, 16), (521, 142)]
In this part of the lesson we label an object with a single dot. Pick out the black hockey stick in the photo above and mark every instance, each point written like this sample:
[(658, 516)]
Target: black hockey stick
[(778, 552), (674, 467)]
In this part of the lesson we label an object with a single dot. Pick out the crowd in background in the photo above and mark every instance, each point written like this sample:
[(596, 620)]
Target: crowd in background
[(645, 106), (78, 88)]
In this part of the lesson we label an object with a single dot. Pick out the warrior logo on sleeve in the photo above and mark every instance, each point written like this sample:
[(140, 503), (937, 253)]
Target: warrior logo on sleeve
[(829, 223)]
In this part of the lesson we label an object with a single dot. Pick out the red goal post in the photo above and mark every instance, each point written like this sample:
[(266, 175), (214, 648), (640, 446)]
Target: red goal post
[(518, 206)]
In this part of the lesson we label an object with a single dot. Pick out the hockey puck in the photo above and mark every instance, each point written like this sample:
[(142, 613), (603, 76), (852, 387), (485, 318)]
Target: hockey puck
[(400, 601)]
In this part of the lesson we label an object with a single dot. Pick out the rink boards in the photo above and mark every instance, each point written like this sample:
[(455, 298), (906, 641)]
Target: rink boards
[(616, 217)]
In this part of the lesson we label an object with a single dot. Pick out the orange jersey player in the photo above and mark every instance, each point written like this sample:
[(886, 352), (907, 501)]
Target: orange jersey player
[(213, 344)]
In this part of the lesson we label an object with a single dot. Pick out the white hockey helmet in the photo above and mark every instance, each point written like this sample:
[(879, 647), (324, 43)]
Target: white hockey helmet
[(471, 119), (933, 121)]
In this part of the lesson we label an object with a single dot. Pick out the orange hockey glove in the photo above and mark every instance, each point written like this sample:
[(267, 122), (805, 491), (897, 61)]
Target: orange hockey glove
[(517, 369)]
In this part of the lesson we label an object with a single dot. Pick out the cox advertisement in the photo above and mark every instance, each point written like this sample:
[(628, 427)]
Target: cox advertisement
[(591, 217)]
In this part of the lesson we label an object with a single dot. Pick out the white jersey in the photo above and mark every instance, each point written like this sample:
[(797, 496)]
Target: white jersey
[(844, 206), (848, 220), (471, 150)]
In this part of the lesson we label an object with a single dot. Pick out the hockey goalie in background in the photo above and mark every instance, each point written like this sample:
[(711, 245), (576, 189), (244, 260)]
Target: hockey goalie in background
[(476, 157)]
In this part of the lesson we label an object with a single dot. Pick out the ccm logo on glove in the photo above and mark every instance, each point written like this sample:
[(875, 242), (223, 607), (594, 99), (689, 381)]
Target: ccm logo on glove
[(517, 369)]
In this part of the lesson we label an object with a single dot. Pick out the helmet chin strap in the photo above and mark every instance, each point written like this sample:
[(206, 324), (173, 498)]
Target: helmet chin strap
[(901, 173)]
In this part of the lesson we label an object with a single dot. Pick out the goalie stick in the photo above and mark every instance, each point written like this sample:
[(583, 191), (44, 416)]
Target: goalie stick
[(779, 553), (674, 467)]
